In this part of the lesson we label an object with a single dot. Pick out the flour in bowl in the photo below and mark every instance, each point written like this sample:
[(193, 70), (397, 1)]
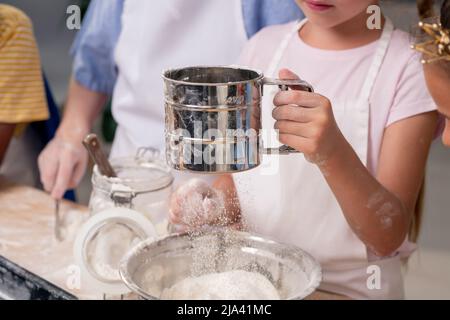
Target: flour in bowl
[(231, 285)]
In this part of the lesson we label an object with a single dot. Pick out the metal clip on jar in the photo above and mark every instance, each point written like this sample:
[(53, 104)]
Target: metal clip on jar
[(144, 183)]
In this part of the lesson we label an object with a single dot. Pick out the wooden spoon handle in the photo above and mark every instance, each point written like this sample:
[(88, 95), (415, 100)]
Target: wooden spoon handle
[(92, 144)]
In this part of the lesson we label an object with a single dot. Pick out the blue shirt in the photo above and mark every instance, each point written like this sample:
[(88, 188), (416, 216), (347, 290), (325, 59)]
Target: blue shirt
[(93, 49)]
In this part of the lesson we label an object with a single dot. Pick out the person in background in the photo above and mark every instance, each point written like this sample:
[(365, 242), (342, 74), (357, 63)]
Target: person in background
[(22, 97), (348, 197), (437, 63), (121, 50)]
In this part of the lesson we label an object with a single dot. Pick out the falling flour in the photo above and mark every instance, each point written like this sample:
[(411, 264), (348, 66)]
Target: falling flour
[(231, 285)]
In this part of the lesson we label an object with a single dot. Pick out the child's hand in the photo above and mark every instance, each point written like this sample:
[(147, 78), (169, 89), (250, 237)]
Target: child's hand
[(306, 122), (196, 204)]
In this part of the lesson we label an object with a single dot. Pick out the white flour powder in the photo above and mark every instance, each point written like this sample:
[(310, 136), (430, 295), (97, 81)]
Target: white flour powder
[(107, 249), (232, 285)]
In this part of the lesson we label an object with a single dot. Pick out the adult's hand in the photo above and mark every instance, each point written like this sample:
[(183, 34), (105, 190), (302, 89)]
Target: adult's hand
[(63, 161), (62, 165)]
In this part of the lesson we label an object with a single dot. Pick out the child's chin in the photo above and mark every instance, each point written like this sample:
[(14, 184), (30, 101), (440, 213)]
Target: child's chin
[(322, 21)]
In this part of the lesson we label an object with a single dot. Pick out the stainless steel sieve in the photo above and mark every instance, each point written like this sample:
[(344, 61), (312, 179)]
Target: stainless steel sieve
[(213, 118)]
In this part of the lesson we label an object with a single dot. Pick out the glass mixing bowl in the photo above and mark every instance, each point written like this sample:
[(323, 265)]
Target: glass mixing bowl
[(153, 266)]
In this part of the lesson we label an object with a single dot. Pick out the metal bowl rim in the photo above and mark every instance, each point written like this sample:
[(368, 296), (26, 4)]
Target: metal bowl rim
[(126, 277)]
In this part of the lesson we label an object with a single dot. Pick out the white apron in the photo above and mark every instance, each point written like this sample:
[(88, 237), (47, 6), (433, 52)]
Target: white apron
[(292, 202), (158, 35)]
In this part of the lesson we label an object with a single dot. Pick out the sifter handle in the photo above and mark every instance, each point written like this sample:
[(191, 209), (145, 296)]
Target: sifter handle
[(284, 86)]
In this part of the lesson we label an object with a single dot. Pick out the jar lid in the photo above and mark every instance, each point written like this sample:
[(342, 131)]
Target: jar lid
[(102, 242), (139, 174)]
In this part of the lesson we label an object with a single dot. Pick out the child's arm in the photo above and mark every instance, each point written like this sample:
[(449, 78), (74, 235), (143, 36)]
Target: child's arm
[(379, 210)]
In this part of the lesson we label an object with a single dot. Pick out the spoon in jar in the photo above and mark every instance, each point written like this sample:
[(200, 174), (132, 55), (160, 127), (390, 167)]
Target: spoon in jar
[(92, 144)]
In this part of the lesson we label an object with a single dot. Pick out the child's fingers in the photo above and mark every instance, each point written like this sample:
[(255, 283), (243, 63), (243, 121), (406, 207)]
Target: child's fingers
[(173, 218), (175, 208), (295, 128), (286, 74), (300, 144), (300, 98), (293, 113)]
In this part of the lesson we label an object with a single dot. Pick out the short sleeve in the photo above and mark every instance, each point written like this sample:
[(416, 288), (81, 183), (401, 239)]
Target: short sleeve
[(412, 96), (22, 92), (93, 50)]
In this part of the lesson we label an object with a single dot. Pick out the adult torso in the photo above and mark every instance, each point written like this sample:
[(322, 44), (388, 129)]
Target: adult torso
[(157, 35)]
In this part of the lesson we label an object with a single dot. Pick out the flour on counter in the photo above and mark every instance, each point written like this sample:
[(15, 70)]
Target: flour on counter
[(231, 285), (71, 222)]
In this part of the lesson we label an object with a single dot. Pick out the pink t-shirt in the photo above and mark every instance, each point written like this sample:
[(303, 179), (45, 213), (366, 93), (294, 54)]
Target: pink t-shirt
[(399, 92)]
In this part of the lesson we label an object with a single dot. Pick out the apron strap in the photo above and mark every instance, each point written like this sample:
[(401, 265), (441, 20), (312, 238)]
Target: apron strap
[(282, 48), (378, 59), (374, 68)]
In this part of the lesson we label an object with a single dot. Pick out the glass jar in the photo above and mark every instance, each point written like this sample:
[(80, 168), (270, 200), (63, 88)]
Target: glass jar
[(143, 183), (124, 211)]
